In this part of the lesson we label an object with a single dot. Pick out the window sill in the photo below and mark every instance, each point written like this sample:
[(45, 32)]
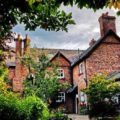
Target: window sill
[(62, 78)]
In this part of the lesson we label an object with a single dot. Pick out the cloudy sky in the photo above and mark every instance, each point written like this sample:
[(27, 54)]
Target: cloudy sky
[(78, 36)]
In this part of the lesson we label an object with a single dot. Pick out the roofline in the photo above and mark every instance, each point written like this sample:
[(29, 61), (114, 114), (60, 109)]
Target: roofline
[(92, 48), (59, 53)]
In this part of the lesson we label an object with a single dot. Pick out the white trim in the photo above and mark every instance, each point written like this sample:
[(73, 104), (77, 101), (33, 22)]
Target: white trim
[(61, 97), (76, 103), (81, 68), (60, 73)]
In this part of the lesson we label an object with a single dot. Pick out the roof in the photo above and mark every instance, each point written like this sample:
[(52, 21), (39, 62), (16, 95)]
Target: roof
[(71, 89), (114, 75), (70, 55), (10, 64), (52, 52), (88, 52), (59, 54)]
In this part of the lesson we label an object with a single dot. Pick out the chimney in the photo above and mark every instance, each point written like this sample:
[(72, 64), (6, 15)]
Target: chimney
[(106, 23), (92, 42), (26, 45), (18, 45)]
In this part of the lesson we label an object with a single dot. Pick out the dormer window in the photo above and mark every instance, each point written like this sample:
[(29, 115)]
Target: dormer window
[(60, 73), (81, 69)]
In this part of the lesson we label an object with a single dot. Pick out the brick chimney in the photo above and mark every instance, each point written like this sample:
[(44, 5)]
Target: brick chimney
[(92, 42), (26, 45), (18, 45), (106, 23)]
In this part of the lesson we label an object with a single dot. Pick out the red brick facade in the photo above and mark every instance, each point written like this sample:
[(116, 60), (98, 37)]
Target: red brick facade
[(103, 57), (63, 63), (18, 72)]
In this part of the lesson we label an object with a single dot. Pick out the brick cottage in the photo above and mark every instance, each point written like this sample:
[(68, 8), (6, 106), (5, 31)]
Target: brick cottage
[(75, 67)]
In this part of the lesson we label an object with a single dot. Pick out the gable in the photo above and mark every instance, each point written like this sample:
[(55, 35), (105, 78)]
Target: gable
[(60, 59), (111, 39)]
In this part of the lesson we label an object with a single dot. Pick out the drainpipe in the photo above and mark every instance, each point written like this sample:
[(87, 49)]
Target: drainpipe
[(86, 79)]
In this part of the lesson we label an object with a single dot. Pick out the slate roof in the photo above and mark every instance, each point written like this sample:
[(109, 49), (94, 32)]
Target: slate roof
[(60, 54), (70, 55), (52, 52), (88, 52), (10, 64), (114, 75)]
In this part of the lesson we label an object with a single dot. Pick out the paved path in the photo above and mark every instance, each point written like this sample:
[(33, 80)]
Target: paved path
[(78, 117)]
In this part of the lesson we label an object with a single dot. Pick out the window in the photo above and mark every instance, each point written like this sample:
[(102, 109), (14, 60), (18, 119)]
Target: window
[(81, 68), (60, 73), (61, 97)]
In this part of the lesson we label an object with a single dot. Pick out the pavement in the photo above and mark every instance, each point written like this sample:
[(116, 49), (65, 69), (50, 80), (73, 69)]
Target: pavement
[(78, 117)]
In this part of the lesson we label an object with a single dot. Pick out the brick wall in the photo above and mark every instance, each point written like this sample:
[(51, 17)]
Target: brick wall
[(19, 72), (106, 23), (105, 59), (11, 73), (65, 65)]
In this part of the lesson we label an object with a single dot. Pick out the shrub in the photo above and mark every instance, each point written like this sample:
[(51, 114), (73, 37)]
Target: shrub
[(100, 97), (29, 108)]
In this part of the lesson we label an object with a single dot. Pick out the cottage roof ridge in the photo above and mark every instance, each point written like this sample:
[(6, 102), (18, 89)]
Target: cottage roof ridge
[(88, 52), (58, 53)]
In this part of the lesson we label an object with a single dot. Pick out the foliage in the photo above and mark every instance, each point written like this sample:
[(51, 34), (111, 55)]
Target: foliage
[(30, 108), (118, 117), (12, 107), (33, 13), (58, 115), (44, 14), (42, 79), (100, 96)]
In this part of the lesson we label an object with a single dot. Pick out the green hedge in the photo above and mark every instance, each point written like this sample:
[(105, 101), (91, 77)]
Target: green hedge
[(29, 108)]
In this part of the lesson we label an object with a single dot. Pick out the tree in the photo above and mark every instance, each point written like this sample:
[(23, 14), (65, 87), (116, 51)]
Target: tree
[(101, 94), (45, 14), (42, 79), (32, 13), (13, 107)]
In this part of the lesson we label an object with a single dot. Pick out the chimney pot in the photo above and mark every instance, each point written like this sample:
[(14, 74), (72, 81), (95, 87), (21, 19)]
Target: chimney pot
[(27, 45), (18, 45), (92, 42)]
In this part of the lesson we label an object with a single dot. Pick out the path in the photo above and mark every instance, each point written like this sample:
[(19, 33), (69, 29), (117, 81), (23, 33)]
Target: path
[(78, 117)]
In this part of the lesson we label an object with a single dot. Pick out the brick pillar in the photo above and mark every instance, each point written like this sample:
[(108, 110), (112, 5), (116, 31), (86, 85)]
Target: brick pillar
[(106, 23), (26, 45), (18, 46), (17, 80)]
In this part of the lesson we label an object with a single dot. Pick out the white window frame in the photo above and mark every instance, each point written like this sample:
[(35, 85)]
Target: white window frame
[(81, 68), (60, 97), (60, 74)]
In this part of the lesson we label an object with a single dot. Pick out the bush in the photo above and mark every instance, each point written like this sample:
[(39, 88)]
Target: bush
[(58, 115), (30, 108), (100, 97)]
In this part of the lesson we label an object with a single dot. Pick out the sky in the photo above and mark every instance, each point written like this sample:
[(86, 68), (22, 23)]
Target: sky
[(77, 37)]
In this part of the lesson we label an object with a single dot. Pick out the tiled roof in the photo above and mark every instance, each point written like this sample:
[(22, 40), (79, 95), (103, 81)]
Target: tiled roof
[(114, 75), (71, 55), (88, 52), (10, 64), (67, 53)]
